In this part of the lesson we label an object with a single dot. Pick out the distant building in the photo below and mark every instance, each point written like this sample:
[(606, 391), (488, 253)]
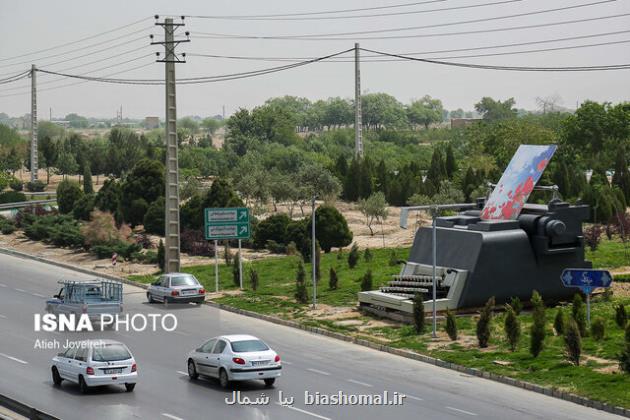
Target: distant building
[(62, 123), (151, 122), (463, 122)]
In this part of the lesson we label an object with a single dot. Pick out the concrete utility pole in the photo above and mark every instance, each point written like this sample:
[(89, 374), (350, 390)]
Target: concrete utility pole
[(33, 123), (313, 252), (358, 123), (171, 245)]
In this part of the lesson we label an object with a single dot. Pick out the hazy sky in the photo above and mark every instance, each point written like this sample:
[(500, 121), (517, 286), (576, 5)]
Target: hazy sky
[(27, 26)]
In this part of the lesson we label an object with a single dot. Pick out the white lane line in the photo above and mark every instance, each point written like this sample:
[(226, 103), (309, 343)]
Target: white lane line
[(180, 333), (3, 285), (286, 362), (360, 383), (15, 359), (304, 411), (21, 290), (181, 372), (321, 372), (414, 398), (461, 411), (38, 295), (3, 317), (170, 416)]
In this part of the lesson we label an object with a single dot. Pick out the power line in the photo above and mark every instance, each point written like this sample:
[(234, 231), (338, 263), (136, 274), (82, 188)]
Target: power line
[(507, 68), (392, 6), (345, 60), (436, 25), (81, 49), (15, 77), (77, 41), (431, 35), (410, 12)]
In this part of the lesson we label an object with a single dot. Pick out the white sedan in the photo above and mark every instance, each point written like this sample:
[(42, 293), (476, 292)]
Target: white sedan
[(94, 363), (235, 358)]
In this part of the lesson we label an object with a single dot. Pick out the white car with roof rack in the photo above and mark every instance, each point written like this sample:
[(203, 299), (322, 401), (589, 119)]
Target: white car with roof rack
[(235, 358), (92, 363)]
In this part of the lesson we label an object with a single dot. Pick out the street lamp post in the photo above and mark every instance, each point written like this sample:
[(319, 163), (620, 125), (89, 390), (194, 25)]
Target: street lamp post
[(313, 250)]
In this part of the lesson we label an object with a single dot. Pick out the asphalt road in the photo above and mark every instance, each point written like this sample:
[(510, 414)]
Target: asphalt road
[(311, 363)]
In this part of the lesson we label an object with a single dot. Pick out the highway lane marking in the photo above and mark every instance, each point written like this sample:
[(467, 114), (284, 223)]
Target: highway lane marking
[(170, 416), (180, 333), (3, 317), (15, 359), (21, 290), (461, 411), (38, 295), (182, 372), (321, 372), (414, 398), (360, 383), (304, 411), (3, 285), (286, 362)]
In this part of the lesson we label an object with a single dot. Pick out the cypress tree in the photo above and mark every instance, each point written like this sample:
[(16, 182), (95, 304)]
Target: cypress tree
[(558, 322), (418, 313), (87, 179), (578, 312), (235, 270), (624, 357), (450, 163), (573, 342), (353, 256), (253, 279), (469, 183), (512, 327), (366, 281), (598, 328), (538, 325), (451, 325), (483, 325), (160, 255), (301, 293), (621, 318), (621, 178), (332, 279)]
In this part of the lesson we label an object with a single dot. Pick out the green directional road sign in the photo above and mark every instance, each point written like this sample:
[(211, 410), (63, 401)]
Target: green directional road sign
[(227, 223)]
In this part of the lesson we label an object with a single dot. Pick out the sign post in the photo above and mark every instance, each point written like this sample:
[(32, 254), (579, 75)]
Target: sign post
[(240, 266), (586, 280), (226, 223)]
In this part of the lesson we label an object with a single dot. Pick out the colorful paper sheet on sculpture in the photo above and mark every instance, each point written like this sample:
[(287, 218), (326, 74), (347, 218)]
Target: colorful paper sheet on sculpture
[(517, 182)]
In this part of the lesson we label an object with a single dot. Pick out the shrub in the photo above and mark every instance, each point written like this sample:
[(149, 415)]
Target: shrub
[(418, 313), (367, 255), (83, 207), (153, 219), (227, 253), (135, 212), (353, 256), (60, 230), (101, 229), (483, 325), (16, 185), (160, 255), (451, 325), (144, 241), (274, 228), (35, 186), (193, 242), (512, 327), (88, 188), (68, 193), (624, 356), (598, 329), (366, 281), (573, 342), (253, 279), (332, 228), (538, 325), (621, 318), (516, 305), (332, 279), (123, 249), (7, 227), (558, 322), (236, 270), (149, 257), (12, 197), (393, 258), (291, 248), (301, 293), (578, 312)]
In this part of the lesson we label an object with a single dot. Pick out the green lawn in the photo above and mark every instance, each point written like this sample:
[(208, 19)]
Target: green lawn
[(277, 286)]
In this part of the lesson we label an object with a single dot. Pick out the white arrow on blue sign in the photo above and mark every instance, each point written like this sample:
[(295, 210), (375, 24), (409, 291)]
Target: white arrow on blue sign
[(586, 279)]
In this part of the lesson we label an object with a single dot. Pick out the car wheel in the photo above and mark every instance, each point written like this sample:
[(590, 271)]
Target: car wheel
[(130, 387), (192, 370), (269, 382), (55, 376), (82, 385), (224, 381), (150, 298)]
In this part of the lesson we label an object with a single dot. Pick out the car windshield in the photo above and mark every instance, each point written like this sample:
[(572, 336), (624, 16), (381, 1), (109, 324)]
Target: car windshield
[(248, 345), (184, 281), (110, 353)]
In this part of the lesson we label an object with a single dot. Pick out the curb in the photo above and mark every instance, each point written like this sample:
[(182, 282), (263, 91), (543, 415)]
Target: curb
[(551, 392), (24, 410)]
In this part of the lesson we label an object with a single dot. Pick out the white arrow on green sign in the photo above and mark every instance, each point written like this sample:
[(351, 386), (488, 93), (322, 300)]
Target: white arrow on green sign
[(227, 223)]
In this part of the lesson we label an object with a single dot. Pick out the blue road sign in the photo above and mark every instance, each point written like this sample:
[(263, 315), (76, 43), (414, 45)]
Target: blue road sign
[(586, 279)]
